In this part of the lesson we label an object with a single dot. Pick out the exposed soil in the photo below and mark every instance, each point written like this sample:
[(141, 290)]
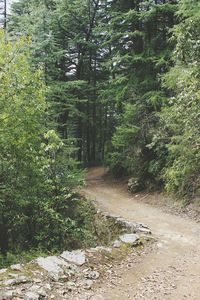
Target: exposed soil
[(171, 268)]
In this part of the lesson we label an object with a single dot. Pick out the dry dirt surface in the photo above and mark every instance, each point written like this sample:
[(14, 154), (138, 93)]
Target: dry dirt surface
[(171, 270)]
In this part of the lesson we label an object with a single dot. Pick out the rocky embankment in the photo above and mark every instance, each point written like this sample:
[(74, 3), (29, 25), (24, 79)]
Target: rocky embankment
[(71, 273)]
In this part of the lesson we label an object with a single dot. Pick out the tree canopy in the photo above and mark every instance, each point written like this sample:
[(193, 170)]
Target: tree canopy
[(94, 82)]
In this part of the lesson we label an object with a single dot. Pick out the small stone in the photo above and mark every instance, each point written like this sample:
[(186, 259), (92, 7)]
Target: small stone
[(129, 238), (116, 244), (71, 286), (17, 267), (13, 275), (88, 284), (3, 271), (37, 280), (47, 287), (64, 278), (38, 289), (10, 282), (71, 283), (23, 279), (144, 230), (17, 280), (100, 248), (93, 275), (76, 257), (31, 296)]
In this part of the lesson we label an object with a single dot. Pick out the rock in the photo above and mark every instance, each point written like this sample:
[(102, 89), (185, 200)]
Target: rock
[(132, 226), (64, 278), (144, 230), (8, 295), (100, 248), (53, 265), (110, 216), (134, 185), (87, 284), (129, 238), (141, 225), (17, 280), (70, 284), (38, 289), (92, 275), (76, 257), (37, 280), (47, 287), (13, 275), (17, 267), (10, 282), (31, 296), (116, 244), (3, 271)]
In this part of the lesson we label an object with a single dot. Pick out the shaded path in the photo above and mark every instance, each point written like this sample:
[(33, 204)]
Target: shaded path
[(172, 271)]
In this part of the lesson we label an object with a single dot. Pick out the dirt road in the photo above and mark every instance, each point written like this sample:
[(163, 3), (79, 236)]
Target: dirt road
[(172, 270)]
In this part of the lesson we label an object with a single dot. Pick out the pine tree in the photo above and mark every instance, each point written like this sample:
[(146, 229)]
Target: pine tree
[(140, 54), (180, 117)]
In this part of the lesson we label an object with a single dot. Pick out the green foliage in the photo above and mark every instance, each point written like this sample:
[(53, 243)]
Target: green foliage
[(180, 117), (121, 159), (140, 57), (64, 40), (37, 169), (93, 79)]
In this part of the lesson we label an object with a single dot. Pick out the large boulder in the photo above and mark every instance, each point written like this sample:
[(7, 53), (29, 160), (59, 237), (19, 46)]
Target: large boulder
[(54, 265)]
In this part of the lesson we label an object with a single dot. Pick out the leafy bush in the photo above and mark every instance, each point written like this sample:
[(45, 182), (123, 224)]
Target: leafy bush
[(37, 169)]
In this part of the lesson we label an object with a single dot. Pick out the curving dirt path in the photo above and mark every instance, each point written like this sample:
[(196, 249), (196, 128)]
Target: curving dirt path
[(171, 270)]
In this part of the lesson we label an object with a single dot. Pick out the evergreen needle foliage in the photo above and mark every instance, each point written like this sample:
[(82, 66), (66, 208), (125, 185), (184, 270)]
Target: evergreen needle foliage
[(86, 82)]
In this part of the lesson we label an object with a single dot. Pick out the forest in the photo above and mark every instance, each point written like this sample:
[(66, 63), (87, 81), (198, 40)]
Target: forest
[(86, 83)]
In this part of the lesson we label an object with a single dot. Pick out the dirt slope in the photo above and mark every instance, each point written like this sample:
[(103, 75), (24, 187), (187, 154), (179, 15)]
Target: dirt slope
[(172, 269)]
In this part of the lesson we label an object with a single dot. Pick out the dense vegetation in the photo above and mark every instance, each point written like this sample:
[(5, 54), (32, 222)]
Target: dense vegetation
[(87, 82)]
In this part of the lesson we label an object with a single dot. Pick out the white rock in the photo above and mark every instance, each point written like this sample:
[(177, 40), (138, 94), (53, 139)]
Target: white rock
[(17, 267), (144, 230), (31, 296), (129, 238), (53, 265), (141, 225), (8, 295), (92, 275), (17, 280), (9, 282), (47, 287), (3, 271), (100, 248), (76, 257), (37, 280), (116, 244), (71, 284), (38, 289), (87, 284)]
